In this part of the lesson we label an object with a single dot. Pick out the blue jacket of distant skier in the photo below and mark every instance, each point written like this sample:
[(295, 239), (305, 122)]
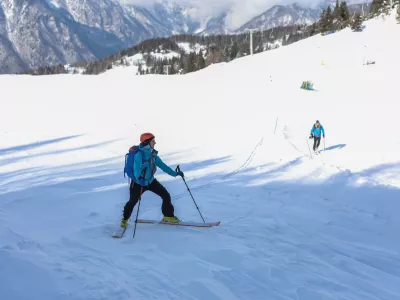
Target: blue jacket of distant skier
[(316, 131), (145, 166)]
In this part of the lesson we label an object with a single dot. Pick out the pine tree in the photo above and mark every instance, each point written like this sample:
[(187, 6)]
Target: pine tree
[(313, 29), (260, 46), (356, 23), (398, 14), (337, 19), (344, 14), (380, 7), (201, 62), (234, 51), (149, 60), (326, 20), (190, 63), (322, 20), (329, 18)]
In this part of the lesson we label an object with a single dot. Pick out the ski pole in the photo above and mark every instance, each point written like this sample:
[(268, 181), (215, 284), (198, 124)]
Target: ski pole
[(309, 148), (137, 213), (178, 169), (140, 198)]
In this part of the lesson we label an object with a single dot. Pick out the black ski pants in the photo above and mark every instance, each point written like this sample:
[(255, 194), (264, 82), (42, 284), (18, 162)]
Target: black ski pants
[(157, 188), (317, 140)]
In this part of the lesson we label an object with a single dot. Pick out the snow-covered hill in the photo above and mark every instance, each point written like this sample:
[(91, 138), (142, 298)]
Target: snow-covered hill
[(292, 227)]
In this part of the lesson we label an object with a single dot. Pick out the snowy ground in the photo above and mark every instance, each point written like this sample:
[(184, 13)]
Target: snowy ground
[(292, 227)]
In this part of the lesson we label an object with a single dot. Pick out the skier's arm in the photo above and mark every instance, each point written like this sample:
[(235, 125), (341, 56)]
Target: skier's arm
[(164, 167), (323, 131), (312, 130)]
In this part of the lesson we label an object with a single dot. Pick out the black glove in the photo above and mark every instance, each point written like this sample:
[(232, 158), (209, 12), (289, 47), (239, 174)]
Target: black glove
[(179, 172), (311, 136), (323, 135)]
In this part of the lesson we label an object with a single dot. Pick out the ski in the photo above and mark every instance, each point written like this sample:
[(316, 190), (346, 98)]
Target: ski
[(119, 233), (182, 223)]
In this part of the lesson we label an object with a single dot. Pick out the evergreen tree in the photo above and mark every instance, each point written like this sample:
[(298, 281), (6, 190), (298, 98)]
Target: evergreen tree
[(356, 23), (314, 29), (380, 7), (398, 14), (329, 18), (149, 60), (344, 14), (337, 19), (201, 62), (234, 51), (259, 47), (190, 63), (322, 21)]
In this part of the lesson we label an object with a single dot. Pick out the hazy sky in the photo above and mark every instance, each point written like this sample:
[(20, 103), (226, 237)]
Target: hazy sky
[(241, 11)]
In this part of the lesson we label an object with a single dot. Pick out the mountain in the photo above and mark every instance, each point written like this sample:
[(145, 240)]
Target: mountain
[(40, 32), (280, 15), (292, 14), (215, 25), (176, 19), (36, 33)]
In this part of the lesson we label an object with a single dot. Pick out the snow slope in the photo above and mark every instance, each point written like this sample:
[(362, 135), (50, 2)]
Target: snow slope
[(292, 227)]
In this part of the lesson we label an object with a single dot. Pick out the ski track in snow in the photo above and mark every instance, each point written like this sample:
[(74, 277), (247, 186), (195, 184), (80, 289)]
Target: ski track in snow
[(292, 227)]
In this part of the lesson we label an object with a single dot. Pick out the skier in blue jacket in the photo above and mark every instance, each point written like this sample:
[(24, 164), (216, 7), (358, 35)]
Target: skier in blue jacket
[(315, 133), (145, 166)]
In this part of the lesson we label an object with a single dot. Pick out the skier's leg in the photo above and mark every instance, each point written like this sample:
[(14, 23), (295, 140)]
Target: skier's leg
[(134, 194), (318, 141), (315, 143), (157, 188)]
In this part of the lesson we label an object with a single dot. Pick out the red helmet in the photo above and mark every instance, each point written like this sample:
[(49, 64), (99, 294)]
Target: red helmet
[(146, 136)]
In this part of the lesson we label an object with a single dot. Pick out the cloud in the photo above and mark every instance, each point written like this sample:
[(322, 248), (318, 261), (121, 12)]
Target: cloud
[(239, 11)]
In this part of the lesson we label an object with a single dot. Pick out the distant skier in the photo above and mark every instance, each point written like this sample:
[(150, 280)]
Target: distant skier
[(145, 165), (315, 133)]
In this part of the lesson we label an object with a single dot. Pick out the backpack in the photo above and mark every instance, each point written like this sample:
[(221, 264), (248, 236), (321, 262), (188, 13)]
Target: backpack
[(129, 159), (314, 127)]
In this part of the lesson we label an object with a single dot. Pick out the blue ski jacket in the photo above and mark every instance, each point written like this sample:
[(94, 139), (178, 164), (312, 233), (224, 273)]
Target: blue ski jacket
[(145, 166), (317, 130)]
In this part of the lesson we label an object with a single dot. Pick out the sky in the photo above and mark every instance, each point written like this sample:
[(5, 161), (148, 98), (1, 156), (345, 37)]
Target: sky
[(240, 11)]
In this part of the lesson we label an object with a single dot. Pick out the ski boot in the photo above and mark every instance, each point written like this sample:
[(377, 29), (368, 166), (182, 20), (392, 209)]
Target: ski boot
[(171, 219), (124, 223)]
